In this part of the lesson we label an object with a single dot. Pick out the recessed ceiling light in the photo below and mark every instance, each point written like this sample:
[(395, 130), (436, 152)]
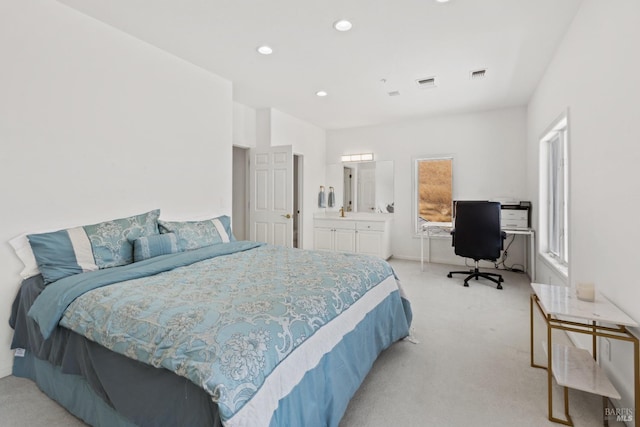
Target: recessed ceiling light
[(442, 1), (342, 25), (265, 50), (321, 93)]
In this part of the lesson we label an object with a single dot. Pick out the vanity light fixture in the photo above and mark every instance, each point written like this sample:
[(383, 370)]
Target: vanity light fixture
[(342, 25), (265, 50), (365, 157)]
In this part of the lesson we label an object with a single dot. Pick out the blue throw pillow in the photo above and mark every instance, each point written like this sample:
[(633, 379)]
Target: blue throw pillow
[(75, 250), (197, 234), (62, 253), (153, 246)]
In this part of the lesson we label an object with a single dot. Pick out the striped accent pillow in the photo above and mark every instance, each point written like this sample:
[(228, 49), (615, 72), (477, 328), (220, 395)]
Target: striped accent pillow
[(153, 246), (62, 253)]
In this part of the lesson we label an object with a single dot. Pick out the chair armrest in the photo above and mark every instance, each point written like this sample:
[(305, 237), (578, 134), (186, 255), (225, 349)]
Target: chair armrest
[(453, 235), (504, 236)]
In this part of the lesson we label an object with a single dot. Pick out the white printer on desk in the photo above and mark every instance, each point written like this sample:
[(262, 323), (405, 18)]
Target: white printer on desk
[(515, 216)]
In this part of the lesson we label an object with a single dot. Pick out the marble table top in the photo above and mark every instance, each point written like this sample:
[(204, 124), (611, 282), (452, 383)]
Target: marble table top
[(562, 301)]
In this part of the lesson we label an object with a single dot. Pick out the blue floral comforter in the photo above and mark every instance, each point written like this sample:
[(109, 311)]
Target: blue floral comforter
[(225, 321)]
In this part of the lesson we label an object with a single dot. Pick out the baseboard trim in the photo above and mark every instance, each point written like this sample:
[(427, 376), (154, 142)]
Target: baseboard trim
[(406, 258), (458, 261), (5, 370)]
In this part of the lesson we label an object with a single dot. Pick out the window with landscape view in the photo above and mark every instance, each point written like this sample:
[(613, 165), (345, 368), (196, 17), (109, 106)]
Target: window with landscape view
[(434, 190)]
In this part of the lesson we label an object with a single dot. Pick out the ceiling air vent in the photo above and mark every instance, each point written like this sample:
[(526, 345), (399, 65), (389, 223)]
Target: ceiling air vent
[(393, 93), (478, 74), (426, 82)]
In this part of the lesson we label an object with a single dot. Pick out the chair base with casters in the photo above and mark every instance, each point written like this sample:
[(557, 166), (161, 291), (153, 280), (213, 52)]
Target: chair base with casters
[(476, 273)]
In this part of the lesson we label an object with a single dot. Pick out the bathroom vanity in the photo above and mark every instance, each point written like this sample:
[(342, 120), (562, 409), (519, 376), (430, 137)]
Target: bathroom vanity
[(355, 233)]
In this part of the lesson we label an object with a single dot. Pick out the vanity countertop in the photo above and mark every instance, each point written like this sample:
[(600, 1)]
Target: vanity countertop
[(354, 216)]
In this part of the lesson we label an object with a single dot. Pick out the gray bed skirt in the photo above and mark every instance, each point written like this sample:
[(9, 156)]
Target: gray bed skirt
[(71, 391)]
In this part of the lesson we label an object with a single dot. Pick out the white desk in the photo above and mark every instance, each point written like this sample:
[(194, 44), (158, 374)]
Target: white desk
[(572, 367), (429, 228)]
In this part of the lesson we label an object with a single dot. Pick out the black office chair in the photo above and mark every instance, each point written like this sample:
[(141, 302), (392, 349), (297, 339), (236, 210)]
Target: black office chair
[(477, 235)]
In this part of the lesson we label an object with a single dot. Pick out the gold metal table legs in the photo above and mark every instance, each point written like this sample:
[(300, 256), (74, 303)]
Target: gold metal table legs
[(619, 332)]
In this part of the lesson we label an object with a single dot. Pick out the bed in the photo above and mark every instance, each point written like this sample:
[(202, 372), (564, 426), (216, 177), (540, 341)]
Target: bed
[(234, 333)]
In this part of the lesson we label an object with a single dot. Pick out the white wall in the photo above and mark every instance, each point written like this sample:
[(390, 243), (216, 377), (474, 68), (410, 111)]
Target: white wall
[(489, 154), (244, 125), (594, 74), (96, 125)]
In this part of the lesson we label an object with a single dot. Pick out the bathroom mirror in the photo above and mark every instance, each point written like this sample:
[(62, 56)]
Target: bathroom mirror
[(362, 186)]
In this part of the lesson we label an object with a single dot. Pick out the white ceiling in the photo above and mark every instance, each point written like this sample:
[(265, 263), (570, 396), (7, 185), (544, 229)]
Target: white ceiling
[(392, 43)]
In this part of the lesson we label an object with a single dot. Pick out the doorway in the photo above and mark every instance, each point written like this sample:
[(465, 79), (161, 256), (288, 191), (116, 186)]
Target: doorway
[(241, 195), (297, 200), (347, 202)]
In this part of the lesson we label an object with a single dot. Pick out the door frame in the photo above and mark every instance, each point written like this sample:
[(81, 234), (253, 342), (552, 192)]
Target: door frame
[(298, 200)]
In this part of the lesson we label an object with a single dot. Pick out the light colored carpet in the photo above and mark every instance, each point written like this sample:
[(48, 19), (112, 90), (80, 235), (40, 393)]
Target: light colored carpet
[(470, 367)]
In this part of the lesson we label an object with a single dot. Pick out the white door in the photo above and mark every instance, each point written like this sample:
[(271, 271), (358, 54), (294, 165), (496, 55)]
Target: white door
[(271, 195), (367, 187)]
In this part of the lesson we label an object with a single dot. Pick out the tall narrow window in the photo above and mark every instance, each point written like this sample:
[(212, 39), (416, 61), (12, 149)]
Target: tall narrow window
[(434, 190), (555, 192)]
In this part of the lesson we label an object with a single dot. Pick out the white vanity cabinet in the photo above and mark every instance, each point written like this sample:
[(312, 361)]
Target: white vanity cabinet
[(335, 235), (366, 236)]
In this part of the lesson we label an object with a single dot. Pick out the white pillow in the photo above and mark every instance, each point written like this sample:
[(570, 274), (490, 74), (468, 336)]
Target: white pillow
[(23, 250)]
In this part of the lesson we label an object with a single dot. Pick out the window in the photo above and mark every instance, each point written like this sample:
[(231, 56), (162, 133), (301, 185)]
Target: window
[(554, 189), (433, 190)]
